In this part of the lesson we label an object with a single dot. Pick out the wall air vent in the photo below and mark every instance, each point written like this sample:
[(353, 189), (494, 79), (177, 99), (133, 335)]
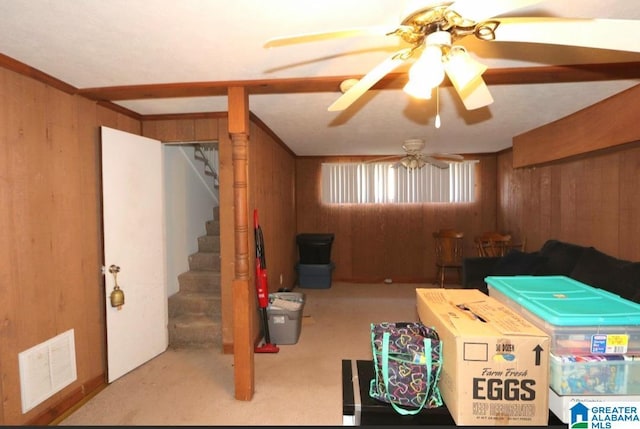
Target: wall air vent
[(46, 369)]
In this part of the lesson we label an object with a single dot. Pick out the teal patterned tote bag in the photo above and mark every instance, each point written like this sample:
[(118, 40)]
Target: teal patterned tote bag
[(407, 357)]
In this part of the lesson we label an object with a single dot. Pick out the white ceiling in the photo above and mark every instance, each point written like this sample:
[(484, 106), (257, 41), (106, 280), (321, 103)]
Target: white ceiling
[(97, 43)]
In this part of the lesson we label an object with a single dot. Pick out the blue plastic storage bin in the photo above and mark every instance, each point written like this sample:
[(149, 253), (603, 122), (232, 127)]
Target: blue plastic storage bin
[(314, 276)]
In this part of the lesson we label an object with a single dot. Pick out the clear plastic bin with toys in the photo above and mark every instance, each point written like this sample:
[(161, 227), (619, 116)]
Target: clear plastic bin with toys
[(595, 374), (580, 319)]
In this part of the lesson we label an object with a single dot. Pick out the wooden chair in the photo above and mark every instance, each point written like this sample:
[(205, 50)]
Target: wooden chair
[(449, 252), (521, 246), (493, 243)]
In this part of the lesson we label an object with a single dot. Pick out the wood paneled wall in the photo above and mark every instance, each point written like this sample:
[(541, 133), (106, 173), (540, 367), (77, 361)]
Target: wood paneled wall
[(272, 176), (606, 124), (592, 200), (182, 128), (579, 179), (374, 242), (50, 229)]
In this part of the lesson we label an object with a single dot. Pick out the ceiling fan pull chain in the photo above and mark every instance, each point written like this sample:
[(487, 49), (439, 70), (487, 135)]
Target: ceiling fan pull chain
[(437, 106)]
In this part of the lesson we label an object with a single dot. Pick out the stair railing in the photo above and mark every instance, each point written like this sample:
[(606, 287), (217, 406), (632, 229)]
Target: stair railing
[(208, 154)]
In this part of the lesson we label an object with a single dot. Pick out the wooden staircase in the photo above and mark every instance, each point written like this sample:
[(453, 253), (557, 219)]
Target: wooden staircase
[(195, 310)]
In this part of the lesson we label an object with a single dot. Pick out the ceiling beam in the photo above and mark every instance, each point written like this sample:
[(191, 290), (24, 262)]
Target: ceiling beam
[(501, 76), (496, 76), (26, 70)]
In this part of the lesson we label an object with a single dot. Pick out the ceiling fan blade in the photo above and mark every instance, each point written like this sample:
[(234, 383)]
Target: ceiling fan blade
[(382, 158), (326, 35), (477, 11), (475, 95), (447, 156), (614, 34), (370, 79), (435, 162)]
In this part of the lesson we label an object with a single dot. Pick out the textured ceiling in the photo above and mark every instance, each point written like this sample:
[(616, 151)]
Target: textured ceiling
[(94, 44)]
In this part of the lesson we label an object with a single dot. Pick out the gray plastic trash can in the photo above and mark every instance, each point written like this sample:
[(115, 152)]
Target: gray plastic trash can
[(285, 317)]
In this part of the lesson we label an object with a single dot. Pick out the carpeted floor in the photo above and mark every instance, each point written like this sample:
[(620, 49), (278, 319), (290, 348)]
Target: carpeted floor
[(300, 385)]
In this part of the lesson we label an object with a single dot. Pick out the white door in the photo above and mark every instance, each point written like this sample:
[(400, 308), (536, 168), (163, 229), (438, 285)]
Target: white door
[(134, 240)]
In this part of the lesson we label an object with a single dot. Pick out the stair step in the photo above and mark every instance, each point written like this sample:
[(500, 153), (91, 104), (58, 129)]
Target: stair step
[(200, 281), (205, 303), (195, 310), (205, 261), (194, 331), (209, 243), (213, 227)]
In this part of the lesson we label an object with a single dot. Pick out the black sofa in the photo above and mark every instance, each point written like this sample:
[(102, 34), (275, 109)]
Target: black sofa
[(585, 264)]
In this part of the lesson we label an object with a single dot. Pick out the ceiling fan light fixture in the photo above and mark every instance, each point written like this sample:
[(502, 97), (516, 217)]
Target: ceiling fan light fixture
[(438, 38), (412, 162), (413, 146), (428, 71), (461, 68), (476, 95), (416, 90)]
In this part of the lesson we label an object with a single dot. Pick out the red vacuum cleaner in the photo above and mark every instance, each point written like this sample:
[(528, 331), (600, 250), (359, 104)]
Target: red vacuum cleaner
[(262, 287)]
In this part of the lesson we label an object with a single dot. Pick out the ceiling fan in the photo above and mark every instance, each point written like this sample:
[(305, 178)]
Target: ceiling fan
[(432, 30), (414, 157)]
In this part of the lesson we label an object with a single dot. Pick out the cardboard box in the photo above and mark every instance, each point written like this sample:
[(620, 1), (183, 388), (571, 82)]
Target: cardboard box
[(495, 368)]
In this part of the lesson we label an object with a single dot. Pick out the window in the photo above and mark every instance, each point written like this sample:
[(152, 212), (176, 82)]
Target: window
[(384, 182)]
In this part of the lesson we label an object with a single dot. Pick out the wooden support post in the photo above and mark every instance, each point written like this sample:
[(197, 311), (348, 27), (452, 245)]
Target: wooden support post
[(242, 342), (242, 304), (239, 143)]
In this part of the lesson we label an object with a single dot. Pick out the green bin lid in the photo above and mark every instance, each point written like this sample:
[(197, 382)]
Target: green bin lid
[(563, 301)]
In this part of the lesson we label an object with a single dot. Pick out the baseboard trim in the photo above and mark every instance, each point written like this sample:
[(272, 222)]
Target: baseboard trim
[(70, 403)]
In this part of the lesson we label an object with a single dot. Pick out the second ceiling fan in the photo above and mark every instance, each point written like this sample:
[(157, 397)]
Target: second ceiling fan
[(432, 29), (414, 157)]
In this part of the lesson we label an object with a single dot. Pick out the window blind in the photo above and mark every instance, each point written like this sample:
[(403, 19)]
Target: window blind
[(386, 182)]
